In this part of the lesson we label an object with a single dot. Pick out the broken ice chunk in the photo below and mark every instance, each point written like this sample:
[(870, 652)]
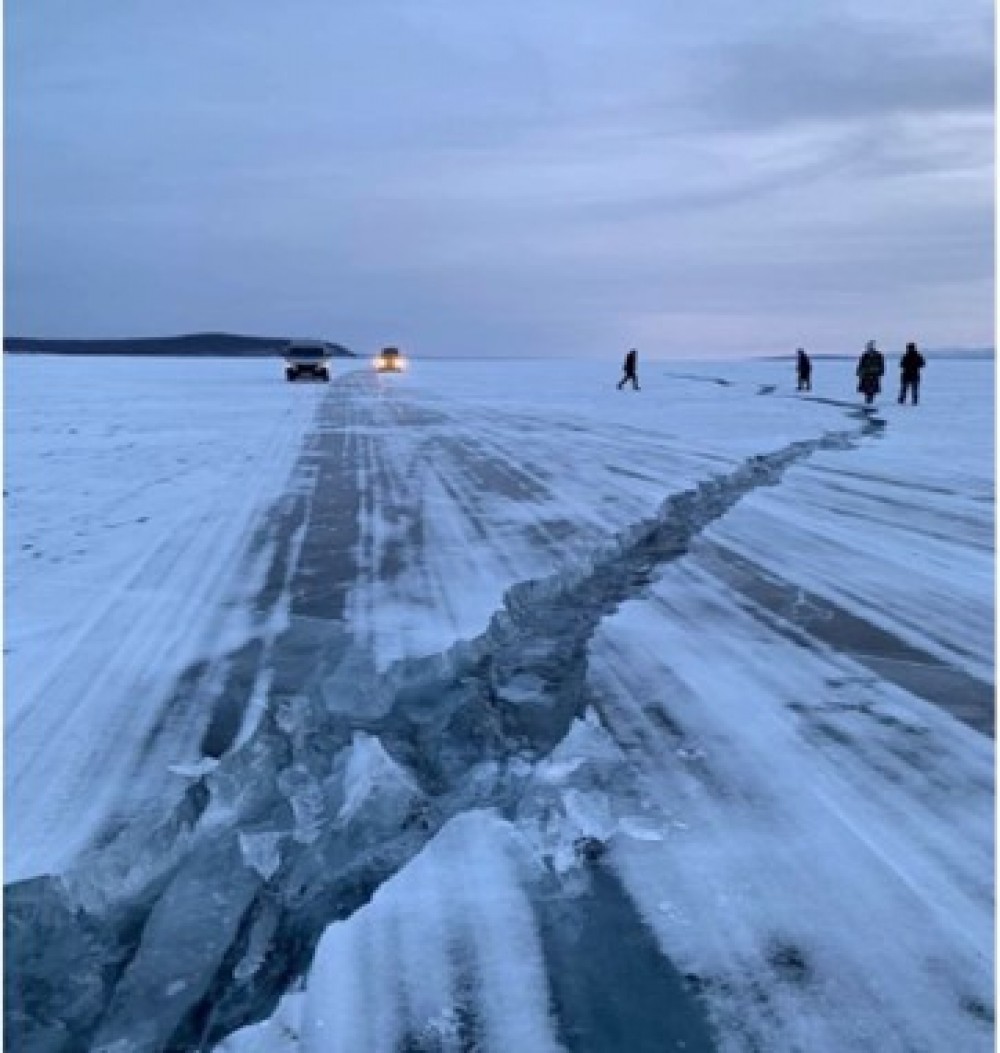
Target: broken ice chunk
[(375, 785), (261, 852)]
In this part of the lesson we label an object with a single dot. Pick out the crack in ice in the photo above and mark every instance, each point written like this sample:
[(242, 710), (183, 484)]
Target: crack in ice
[(180, 934)]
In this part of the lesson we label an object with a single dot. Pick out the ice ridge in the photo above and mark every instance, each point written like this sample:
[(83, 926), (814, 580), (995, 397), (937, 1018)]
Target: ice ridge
[(172, 937)]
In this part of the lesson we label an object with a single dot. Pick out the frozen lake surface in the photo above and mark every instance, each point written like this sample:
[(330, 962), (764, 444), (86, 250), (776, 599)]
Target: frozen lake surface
[(488, 708)]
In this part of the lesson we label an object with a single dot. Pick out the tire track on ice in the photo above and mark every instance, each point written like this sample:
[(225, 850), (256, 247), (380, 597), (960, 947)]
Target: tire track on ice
[(106, 667)]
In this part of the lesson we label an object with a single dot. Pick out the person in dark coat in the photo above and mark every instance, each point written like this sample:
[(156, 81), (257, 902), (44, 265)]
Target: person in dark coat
[(909, 373), (803, 368), (871, 367), (629, 370)]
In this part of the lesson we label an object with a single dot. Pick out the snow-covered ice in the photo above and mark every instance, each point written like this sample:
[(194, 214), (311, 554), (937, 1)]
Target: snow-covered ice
[(488, 707)]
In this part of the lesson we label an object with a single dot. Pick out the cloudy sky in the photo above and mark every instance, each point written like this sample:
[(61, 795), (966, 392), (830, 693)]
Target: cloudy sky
[(508, 177)]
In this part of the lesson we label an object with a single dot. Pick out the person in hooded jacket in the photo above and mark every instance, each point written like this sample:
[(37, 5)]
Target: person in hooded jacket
[(909, 373), (871, 367)]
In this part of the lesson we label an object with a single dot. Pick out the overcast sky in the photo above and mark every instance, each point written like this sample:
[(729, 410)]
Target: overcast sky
[(507, 177)]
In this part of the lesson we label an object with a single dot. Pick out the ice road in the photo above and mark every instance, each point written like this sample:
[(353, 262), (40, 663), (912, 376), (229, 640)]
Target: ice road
[(489, 708)]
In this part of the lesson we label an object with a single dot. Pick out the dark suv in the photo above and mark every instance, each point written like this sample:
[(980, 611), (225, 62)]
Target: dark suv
[(307, 358)]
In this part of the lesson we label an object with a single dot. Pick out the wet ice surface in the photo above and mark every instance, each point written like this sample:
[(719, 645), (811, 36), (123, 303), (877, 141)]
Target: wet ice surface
[(487, 707)]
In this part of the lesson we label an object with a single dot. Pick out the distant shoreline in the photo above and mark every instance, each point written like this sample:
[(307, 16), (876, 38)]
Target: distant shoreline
[(969, 353), (231, 345), (194, 345)]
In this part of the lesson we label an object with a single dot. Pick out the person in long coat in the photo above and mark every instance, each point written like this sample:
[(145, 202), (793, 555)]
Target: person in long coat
[(803, 369), (871, 367)]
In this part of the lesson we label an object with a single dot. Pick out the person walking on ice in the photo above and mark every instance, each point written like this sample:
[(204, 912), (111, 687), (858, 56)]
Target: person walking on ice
[(871, 367), (909, 373), (629, 370), (803, 368)]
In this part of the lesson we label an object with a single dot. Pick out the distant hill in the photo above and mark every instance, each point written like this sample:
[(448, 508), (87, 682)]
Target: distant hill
[(195, 345)]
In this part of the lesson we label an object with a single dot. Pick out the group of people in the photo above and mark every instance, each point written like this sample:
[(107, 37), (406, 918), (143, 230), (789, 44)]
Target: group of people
[(870, 370)]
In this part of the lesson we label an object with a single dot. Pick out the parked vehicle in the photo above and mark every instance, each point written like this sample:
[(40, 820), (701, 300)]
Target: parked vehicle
[(389, 360), (307, 358)]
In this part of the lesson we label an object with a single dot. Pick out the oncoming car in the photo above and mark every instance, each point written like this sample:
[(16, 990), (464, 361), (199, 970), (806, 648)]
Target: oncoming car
[(389, 360), (307, 358)]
